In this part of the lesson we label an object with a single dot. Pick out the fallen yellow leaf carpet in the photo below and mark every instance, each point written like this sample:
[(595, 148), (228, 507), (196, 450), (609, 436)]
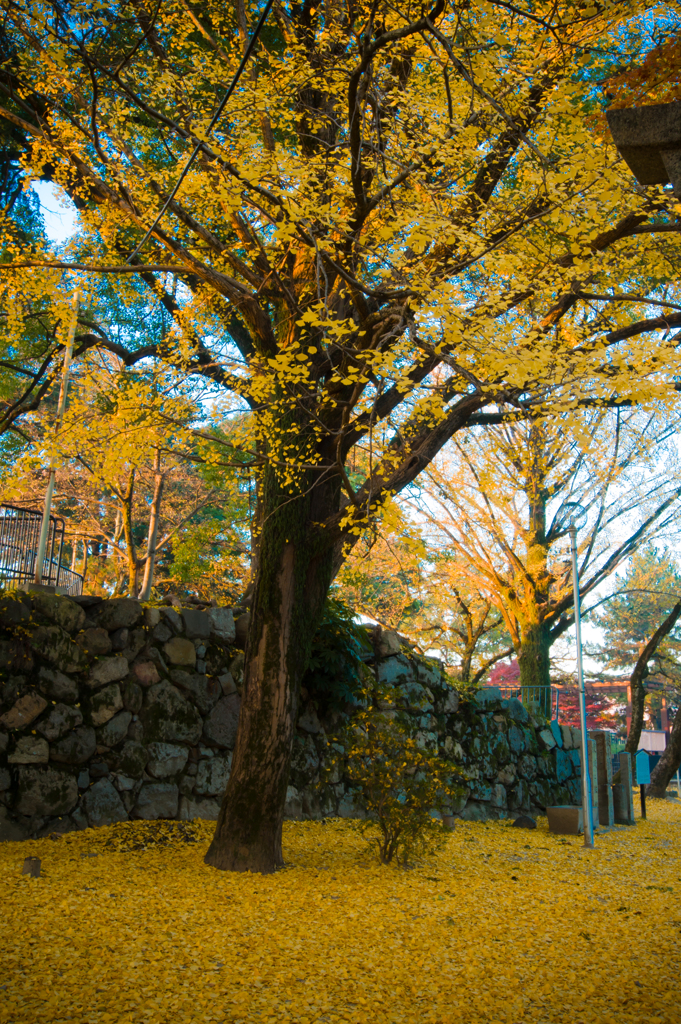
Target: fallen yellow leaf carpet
[(127, 925)]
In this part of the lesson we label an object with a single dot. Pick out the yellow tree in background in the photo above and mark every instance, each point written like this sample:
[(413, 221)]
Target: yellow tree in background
[(402, 220)]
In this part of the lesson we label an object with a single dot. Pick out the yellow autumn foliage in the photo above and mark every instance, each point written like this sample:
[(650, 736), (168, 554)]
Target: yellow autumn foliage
[(127, 926)]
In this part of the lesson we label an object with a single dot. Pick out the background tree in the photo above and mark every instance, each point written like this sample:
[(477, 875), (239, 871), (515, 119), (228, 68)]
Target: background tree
[(401, 221)]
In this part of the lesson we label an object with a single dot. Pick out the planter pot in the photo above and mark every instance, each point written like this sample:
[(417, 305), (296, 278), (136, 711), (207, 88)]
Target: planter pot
[(565, 820)]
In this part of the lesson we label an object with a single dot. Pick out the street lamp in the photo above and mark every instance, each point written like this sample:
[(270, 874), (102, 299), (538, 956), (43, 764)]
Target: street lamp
[(572, 517), (649, 139)]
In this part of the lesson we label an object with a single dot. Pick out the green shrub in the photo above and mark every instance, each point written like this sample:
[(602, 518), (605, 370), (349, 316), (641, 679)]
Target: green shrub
[(335, 673)]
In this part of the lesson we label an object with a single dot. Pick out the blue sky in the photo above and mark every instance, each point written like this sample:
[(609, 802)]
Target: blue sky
[(59, 213)]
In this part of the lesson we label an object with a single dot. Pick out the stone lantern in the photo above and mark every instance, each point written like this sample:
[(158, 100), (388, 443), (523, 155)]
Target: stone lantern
[(649, 139)]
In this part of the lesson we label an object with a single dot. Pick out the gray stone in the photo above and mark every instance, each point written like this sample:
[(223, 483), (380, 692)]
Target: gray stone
[(524, 821), (119, 639), (527, 766), (24, 711), (94, 641), (567, 737), (202, 691), (547, 739), (5, 779), (388, 643), (124, 784), (15, 610), (166, 759), (162, 632), (205, 810), (396, 670), (541, 792), (30, 750), (107, 670), (179, 651), (221, 725), (83, 779), (133, 696), (516, 710), (481, 790), (115, 730), (61, 610), (649, 139), (498, 797), (43, 791), (515, 738), (565, 820), (61, 719), (171, 616), (507, 775), (450, 703), (293, 808), (241, 629), (102, 805), (308, 720), (564, 766), (576, 738), (519, 795), (56, 685), (57, 647), (105, 703), (76, 747), (227, 683), (145, 673), (474, 811), (488, 695), (133, 759), (197, 624), (152, 617), (168, 717), (413, 697), (222, 624), (557, 733), (428, 671), (10, 831), (212, 776), (118, 612), (157, 800)]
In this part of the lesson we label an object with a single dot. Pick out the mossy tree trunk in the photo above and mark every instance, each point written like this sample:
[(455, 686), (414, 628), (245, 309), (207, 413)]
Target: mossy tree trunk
[(293, 578), (669, 763), (533, 578)]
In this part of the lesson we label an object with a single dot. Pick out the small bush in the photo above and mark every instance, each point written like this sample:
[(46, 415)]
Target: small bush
[(398, 783), (335, 672)]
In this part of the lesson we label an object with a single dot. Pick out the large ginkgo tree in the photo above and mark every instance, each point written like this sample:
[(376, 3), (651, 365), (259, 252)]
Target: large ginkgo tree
[(405, 216)]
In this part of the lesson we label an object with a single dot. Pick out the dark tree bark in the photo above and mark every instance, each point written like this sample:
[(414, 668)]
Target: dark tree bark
[(668, 764), (288, 599), (638, 693)]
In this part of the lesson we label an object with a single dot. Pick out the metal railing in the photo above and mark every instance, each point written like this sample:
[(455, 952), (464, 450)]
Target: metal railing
[(542, 699), (19, 537)]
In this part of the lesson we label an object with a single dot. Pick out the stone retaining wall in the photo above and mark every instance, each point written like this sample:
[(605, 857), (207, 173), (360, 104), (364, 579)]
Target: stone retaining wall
[(112, 710)]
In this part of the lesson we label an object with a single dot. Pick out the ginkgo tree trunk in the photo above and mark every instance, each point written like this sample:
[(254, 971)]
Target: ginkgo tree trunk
[(404, 218)]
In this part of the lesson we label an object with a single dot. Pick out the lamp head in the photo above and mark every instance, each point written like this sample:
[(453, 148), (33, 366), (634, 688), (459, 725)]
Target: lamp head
[(570, 515)]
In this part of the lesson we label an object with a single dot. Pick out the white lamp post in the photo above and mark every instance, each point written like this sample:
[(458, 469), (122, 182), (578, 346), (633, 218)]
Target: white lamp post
[(572, 516)]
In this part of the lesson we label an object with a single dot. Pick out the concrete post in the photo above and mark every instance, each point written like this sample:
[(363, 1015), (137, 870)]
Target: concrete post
[(606, 811)]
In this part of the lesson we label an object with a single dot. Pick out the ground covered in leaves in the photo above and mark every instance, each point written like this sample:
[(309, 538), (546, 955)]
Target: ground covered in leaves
[(127, 925)]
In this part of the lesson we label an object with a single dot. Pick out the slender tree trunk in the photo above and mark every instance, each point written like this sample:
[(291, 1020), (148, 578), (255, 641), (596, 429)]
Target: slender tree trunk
[(154, 516), (126, 515), (534, 656), (669, 763), (293, 578), (638, 693)]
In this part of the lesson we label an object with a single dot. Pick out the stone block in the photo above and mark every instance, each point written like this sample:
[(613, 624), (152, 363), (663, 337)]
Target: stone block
[(166, 759), (30, 750), (15, 656), (60, 610), (498, 797), (308, 720), (567, 737), (515, 738), (412, 696), (162, 632), (519, 795), (227, 683), (487, 695), (157, 800), (516, 710), (388, 643), (145, 673), (76, 747), (564, 765), (102, 805), (212, 776), (565, 820), (593, 775), (107, 670), (44, 791), (132, 759), (507, 775), (61, 719), (94, 641), (115, 730), (57, 647), (222, 624), (474, 811), (204, 810), (5, 779), (623, 798), (152, 617), (56, 685), (179, 651), (170, 616), (481, 790), (220, 727), (649, 139), (203, 691), (24, 711), (576, 738), (15, 610), (541, 792), (105, 703), (547, 739), (450, 703), (197, 625), (118, 612), (557, 733), (168, 717), (428, 671), (606, 809), (395, 671), (133, 696)]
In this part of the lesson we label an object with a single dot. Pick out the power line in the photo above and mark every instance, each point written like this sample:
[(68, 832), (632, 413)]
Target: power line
[(215, 118)]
